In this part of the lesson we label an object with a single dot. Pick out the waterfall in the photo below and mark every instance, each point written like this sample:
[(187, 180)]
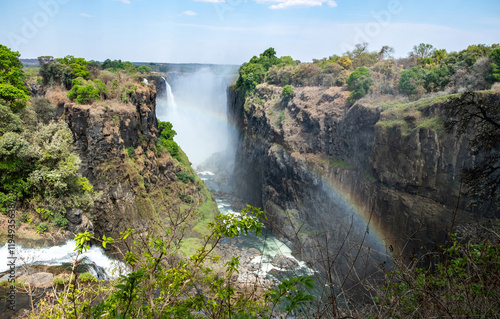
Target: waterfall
[(170, 96)]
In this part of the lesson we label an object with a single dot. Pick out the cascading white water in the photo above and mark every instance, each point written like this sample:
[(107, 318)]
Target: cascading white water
[(170, 96), (57, 255), (198, 112)]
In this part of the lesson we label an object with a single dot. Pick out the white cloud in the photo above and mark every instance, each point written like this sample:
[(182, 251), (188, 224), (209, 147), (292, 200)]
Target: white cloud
[(284, 4), (85, 15), (211, 1), (189, 13), (124, 1)]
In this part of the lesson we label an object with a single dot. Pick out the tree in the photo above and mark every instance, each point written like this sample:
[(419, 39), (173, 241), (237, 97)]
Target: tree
[(422, 51), (359, 83), (144, 69), (410, 80), (385, 52), (287, 92), (495, 65), (479, 114), (12, 88)]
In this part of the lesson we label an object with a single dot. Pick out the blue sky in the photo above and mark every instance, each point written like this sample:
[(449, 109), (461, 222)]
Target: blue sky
[(232, 31)]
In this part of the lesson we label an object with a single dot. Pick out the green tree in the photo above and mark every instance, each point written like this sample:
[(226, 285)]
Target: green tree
[(287, 92), (437, 78), (359, 83), (495, 65), (144, 69), (12, 88), (166, 139), (422, 51), (410, 80)]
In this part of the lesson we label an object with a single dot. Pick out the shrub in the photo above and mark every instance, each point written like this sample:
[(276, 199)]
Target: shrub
[(166, 139), (185, 177), (287, 92), (410, 80), (45, 111), (83, 92), (130, 152), (86, 277), (42, 228), (60, 220), (359, 83)]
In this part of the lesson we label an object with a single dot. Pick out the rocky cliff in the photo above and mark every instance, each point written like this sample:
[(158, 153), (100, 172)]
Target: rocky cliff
[(382, 176), (134, 184)]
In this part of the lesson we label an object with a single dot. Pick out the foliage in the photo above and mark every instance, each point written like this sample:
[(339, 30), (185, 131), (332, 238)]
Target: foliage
[(40, 165), (163, 284), (86, 92), (287, 92), (12, 89), (254, 72), (185, 177), (45, 111), (166, 139), (42, 228), (9, 121), (130, 152), (495, 65), (464, 282), (423, 51), (63, 71), (437, 78), (144, 69), (14, 97), (359, 83), (410, 80)]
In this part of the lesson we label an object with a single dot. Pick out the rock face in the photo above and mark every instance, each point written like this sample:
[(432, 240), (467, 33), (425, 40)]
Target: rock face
[(335, 177), (117, 145)]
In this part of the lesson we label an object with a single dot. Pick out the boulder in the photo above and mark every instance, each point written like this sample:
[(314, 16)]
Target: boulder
[(38, 280), (284, 262)]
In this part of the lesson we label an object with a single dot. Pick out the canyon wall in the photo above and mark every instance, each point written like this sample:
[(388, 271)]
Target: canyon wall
[(369, 180), (135, 184)]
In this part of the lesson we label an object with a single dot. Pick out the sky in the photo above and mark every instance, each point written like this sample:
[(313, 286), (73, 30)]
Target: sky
[(232, 31)]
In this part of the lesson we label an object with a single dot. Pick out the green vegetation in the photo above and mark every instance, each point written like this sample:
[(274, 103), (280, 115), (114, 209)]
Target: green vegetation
[(86, 92), (186, 177), (166, 139), (373, 74), (287, 92), (130, 152), (358, 82), (13, 92), (340, 163)]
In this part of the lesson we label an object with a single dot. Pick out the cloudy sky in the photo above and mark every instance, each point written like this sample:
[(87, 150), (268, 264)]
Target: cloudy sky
[(232, 31)]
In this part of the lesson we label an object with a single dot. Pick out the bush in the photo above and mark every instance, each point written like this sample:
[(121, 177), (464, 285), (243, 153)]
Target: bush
[(410, 80), (86, 277), (359, 83), (45, 111), (185, 177), (60, 220), (166, 139), (42, 228), (86, 92), (287, 92), (130, 152)]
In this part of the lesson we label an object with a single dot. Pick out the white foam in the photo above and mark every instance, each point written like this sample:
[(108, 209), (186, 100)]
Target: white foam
[(57, 255)]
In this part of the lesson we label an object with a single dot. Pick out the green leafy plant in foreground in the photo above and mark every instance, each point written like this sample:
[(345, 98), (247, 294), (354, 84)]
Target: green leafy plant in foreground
[(162, 284)]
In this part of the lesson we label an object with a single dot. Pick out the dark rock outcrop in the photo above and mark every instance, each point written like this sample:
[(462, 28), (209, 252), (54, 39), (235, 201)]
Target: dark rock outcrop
[(335, 176)]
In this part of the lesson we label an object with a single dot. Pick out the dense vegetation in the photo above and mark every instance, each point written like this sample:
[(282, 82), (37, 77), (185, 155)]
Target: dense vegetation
[(371, 73), (38, 167)]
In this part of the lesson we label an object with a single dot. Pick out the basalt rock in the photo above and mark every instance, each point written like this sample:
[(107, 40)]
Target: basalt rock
[(334, 176)]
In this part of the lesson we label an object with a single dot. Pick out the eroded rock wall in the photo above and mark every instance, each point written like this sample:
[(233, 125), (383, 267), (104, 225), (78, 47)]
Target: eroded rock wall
[(324, 169)]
